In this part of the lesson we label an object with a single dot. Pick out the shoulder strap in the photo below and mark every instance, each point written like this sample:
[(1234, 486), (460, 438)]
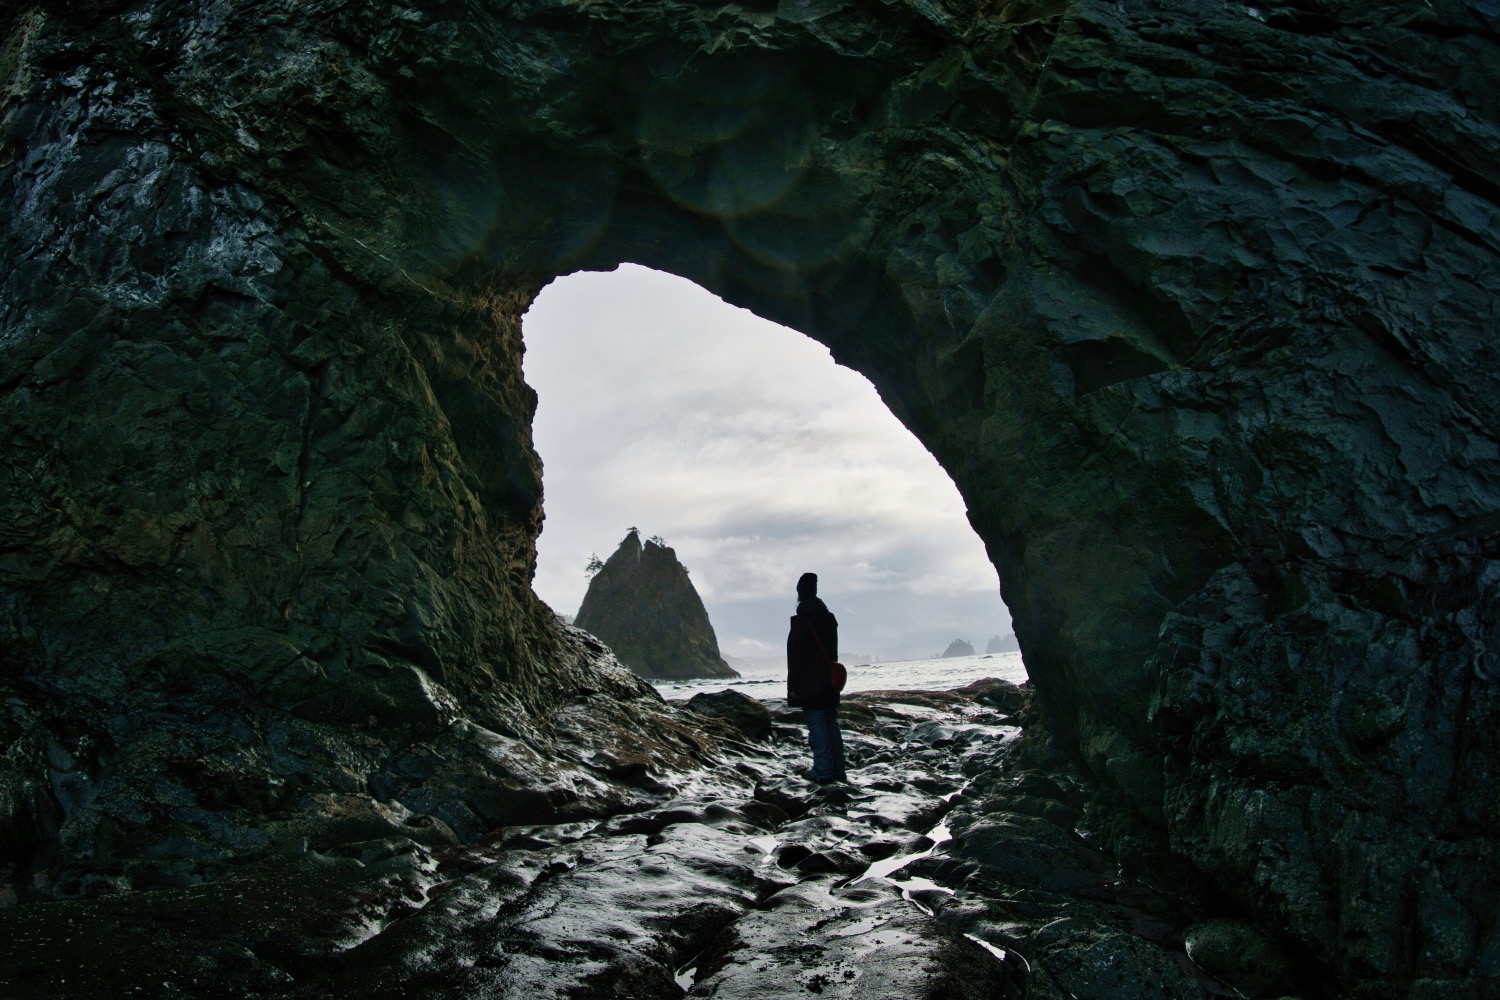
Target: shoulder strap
[(819, 640)]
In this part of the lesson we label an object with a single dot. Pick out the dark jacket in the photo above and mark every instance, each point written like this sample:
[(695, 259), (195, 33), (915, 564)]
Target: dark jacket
[(812, 646)]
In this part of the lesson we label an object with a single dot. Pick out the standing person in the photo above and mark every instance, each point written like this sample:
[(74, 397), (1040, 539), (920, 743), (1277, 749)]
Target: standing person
[(812, 647)]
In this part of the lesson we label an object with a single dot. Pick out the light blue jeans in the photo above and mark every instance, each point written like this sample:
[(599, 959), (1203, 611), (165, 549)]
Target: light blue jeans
[(827, 743)]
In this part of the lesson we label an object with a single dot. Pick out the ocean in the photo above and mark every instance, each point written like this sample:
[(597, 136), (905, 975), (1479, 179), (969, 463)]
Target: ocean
[(763, 680)]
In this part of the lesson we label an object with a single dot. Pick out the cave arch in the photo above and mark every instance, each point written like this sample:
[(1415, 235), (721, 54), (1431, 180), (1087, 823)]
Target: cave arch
[(1194, 313)]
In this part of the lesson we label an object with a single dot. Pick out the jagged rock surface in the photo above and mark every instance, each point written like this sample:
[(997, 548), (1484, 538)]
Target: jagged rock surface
[(645, 607), (743, 880), (1194, 301)]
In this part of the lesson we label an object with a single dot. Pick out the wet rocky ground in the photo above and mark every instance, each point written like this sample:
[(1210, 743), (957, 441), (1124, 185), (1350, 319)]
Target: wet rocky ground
[(961, 860)]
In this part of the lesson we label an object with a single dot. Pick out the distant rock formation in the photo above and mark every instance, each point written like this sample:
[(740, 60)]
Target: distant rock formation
[(644, 606), (1001, 644), (958, 647)]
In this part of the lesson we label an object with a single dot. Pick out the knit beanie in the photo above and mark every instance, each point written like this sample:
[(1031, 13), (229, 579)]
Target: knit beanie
[(807, 585)]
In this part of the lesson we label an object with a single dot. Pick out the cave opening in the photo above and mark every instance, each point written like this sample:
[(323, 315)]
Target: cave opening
[(755, 456)]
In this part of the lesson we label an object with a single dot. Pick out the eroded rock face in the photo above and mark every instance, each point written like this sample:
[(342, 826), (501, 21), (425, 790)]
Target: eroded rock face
[(643, 605), (1194, 302)]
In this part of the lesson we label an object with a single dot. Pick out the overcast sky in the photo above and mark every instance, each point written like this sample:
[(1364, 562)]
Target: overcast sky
[(756, 457)]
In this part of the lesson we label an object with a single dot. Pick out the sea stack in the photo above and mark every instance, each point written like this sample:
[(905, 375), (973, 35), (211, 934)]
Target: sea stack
[(958, 647), (642, 604), (1002, 644)]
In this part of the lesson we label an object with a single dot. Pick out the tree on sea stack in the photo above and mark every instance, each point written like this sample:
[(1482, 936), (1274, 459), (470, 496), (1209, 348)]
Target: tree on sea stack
[(643, 606)]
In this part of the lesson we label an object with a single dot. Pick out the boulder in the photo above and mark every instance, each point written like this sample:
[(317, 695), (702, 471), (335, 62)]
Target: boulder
[(744, 713)]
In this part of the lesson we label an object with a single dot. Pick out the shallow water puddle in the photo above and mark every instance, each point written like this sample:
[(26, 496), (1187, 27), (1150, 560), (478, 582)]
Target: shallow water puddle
[(767, 846), (687, 977), (915, 884), (1003, 954), (883, 869), (997, 952)]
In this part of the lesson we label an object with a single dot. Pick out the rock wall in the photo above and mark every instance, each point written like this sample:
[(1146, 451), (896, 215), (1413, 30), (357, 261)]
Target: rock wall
[(644, 606), (1194, 302)]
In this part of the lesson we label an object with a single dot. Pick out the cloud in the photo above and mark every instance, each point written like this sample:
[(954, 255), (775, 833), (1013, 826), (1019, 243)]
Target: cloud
[(748, 448)]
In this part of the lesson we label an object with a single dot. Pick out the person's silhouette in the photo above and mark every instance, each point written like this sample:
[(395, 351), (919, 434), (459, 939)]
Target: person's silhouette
[(812, 647)]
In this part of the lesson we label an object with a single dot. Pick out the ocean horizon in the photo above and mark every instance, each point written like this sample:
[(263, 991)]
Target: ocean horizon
[(765, 680)]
